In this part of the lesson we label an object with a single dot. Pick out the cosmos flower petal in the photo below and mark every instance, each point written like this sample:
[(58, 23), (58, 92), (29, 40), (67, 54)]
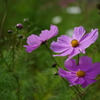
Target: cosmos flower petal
[(33, 40), (67, 52), (57, 47), (47, 34), (78, 33), (29, 49), (93, 71), (63, 73), (63, 39), (71, 65), (53, 31), (87, 82), (44, 35), (79, 81), (80, 43), (85, 62), (72, 79), (81, 75), (88, 39), (73, 53), (82, 50), (68, 75)]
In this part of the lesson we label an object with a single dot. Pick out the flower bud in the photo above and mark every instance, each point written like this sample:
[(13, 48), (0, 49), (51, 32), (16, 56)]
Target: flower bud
[(54, 65), (19, 26), (10, 31), (20, 36)]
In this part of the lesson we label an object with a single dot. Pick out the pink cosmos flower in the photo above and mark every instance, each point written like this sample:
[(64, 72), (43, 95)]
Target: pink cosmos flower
[(78, 43), (35, 41), (83, 74)]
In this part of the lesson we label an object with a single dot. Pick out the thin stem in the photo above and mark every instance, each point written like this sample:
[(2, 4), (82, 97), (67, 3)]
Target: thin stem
[(13, 57), (57, 68), (3, 20), (77, 89), (15, 76), (51, 55), (18, 83), (5, 61), (80, 98)]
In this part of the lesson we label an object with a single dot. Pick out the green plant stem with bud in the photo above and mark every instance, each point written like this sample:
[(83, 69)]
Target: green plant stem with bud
[(52, 56), (75, 89), (2, 57)]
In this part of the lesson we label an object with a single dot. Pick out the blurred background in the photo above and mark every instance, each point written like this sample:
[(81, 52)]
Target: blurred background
[(36, 79)]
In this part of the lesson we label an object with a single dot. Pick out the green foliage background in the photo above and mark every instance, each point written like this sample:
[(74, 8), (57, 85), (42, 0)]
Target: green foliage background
[(30, 76)]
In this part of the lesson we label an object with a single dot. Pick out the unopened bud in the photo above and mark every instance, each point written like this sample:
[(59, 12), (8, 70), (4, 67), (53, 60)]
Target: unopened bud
[(54, 65), (19, 26), (20, 36), (10, 31)]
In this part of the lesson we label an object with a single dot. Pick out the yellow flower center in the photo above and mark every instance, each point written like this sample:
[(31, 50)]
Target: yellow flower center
[(80, 73), (74, 43)]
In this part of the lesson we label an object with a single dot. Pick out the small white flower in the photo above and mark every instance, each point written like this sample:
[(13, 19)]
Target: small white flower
[(56, 20), (73, 10)]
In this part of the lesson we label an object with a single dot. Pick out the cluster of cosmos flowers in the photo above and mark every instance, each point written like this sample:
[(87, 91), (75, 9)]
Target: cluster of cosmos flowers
[(83, 73)]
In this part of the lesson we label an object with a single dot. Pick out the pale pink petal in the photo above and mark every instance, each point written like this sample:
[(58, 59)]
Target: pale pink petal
[(73, 53), (71, 65), (31, 48), (44, 35), (85, 63), (58, 48), (53, 31), (87, 82), (47, 34), (88, 39), (78, 33), (63, 39), (65, 53), (33, 40), (81, 50)]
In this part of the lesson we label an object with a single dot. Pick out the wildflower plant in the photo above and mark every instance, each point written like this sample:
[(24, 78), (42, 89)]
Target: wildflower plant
[(74, 74), (78, 73)]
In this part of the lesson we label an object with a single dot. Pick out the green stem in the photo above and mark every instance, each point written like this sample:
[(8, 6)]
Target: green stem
[(77, 89), (4, 17), (15, 76), (51, 55), (57, 68)]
